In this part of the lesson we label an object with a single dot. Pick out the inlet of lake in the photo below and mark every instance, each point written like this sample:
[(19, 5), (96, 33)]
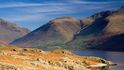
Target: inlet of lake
[(115, 57)]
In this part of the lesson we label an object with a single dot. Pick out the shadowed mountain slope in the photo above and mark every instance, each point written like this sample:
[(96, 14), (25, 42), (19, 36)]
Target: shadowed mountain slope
[(55, 32), (114, 43), (107, 24)]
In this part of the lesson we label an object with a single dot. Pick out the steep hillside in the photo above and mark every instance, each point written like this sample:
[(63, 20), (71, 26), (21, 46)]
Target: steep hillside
[(10, 31), (55, 32), (108, 25)]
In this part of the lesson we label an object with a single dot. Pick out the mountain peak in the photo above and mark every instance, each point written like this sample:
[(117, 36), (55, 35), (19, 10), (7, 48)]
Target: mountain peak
[(102, 14), (66, 17), (64, 20)]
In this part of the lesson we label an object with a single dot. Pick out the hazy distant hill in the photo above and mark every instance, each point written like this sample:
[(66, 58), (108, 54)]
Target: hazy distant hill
[(10, 31), (67, 32)]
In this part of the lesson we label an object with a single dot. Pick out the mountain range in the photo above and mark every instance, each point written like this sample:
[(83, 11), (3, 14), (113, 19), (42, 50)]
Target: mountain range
[(103, 30)]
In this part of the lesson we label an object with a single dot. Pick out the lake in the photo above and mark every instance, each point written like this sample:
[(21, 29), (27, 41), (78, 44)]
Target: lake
[(115, 57)]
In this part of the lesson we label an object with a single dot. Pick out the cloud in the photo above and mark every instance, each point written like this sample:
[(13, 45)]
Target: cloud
[(94, 2), (31, 8), (65, 3), (68, 6), (45, 9), (23, 4), (18, 18)]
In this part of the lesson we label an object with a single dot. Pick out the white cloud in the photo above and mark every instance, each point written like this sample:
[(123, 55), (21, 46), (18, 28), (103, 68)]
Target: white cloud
[(24, 17), (45, 9), (22, 4), (89, 2), (29, 8)]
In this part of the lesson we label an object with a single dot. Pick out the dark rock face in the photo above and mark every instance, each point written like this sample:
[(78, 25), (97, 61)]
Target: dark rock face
[(114, 43), (10, 31)]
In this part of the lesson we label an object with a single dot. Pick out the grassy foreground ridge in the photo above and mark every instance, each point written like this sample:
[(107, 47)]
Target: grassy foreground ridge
[(13, 58)]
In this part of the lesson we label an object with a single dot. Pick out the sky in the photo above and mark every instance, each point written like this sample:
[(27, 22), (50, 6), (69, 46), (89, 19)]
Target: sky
[(32, 14)]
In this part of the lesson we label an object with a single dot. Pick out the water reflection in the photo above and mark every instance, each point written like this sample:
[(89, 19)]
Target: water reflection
[(101, 68)]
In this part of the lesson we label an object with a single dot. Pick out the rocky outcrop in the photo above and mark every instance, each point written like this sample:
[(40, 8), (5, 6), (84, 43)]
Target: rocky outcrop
[(34, 59)]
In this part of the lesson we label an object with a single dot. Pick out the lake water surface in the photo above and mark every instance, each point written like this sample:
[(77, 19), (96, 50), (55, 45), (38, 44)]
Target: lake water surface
[(116, 57)]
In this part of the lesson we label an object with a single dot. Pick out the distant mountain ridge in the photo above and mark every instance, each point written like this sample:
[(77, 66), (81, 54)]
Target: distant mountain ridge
[(71, 33), (10, 31)]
